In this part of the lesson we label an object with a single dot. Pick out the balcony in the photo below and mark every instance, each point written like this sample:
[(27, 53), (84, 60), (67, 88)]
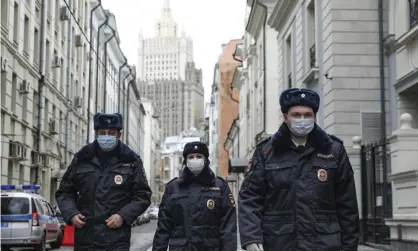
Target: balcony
[(413, 12)]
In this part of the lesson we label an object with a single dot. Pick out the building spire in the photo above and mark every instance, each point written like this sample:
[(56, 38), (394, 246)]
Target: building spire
[(166, 6)]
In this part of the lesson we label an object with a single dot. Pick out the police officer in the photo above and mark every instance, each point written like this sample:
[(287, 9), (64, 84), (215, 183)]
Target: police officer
[(197, 212), (104, 189), (299, 191)]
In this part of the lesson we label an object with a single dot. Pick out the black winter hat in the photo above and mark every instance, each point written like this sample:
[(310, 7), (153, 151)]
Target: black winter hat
[(196, 147), (107, 121), (299, 96)]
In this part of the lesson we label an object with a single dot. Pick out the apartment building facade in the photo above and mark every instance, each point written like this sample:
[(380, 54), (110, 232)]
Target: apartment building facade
[(44, 89)]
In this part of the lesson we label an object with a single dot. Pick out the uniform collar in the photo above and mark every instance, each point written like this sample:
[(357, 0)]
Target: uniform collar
[(206, 177)]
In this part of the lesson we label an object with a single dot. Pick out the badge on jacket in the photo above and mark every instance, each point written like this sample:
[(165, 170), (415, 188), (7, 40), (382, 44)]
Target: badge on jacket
[(231, 200), (322, 175), (210, 204), (118, 179)]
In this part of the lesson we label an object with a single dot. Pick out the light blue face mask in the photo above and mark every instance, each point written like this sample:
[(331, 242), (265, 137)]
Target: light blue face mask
[(107, 142)]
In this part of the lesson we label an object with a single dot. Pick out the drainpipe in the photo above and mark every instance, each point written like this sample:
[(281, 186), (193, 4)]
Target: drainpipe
[(127, 109), (41, 84), (69, 69), (90, 71), (105, 68), (264, 71), (382, 104), (97, 62), (120, 83), (124, 87)]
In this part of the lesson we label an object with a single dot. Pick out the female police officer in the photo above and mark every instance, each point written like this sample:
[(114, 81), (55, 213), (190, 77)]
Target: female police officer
[(197, 211)]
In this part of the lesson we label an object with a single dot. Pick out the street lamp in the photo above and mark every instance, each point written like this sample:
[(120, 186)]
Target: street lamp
[(97, 60), (105, 69)]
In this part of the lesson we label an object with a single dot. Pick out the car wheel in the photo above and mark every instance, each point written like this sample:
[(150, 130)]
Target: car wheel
[(57, 244), (41, 246)]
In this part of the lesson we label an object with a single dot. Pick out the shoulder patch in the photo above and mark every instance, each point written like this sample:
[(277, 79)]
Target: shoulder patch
[(336, 138), (264, 141)]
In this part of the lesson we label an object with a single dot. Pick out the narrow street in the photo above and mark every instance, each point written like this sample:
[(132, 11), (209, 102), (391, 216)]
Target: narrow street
[(141, 239)]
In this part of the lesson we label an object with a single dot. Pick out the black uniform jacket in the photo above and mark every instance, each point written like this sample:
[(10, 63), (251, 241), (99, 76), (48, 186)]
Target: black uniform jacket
[(97, 192), (299, 199), (197, 214)]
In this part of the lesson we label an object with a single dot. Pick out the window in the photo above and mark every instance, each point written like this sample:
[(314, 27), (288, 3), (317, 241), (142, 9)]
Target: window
[(14, 92), (288, 62), (26, 36), (14, 205), (310, 29), (5, 14), (36, 42), (16, 24), (413, 12)]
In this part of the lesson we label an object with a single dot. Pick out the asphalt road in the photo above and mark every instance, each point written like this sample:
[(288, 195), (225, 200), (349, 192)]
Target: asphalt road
[(141, 238)]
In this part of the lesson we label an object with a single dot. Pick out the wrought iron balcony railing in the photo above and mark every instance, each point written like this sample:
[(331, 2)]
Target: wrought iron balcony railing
[(413, 12), (312, 55)]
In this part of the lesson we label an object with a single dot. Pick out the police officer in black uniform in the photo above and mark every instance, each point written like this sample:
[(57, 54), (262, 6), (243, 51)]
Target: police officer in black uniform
[(299, 191), (197, 212), (104, 189)]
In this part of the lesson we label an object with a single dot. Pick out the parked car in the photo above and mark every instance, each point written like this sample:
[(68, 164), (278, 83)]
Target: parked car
[(154, 212), (27, 219)]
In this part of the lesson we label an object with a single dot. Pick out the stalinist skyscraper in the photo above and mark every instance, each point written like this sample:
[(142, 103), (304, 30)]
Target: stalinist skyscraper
[(166, 74)]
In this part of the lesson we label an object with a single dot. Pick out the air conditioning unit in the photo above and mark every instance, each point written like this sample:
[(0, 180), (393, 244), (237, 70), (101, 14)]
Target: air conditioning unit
[(56, 62), (53, 127), (45, 160), (4, 65), (15, 150), (78, 102), (64, 13), (78, 41), (24, 87), (35, 158)]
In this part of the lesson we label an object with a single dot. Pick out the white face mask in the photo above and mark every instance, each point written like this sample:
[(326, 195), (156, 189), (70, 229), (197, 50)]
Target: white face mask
[(301, 127), (195, 165)]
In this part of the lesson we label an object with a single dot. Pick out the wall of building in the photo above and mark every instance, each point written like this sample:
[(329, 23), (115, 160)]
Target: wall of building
[(62, 119), (228, 107)]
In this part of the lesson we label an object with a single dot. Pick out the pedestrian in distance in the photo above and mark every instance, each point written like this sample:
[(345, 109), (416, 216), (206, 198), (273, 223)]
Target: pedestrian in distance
[(104, 189), (299, 192), (197, 211)]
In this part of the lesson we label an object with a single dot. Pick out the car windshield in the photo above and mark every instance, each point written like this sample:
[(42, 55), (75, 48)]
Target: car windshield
[(14, 205)]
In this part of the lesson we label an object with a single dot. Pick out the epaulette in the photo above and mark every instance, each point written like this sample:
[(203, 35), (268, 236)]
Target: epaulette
[(263, 142), (219, 177), (171, 181), (336, 138)]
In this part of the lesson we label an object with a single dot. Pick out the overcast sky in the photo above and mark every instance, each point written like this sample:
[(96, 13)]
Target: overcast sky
[(210, 23)]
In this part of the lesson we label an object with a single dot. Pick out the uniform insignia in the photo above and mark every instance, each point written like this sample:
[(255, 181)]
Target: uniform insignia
[(250, 162), (302, 95), (195, 147), (118, 179), (210, 204), (325, 156), (322, 175), (231, 200), (214, 188)]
